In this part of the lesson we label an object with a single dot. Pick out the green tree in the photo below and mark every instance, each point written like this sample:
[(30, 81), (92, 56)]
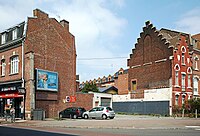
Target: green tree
[(194, 104), (90, 88)]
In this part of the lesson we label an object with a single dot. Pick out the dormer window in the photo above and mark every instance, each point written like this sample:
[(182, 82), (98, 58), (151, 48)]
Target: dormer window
[(14, 34), (3, 38)]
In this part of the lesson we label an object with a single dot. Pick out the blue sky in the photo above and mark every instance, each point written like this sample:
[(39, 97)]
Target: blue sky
[(106, 28)]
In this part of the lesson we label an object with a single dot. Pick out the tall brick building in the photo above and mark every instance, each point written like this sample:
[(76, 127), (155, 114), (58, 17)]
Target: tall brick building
[(164, 59), (38, 51)]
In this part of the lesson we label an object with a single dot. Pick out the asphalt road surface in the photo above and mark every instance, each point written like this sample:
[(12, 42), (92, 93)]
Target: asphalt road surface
[(120, 126), (13, 131)]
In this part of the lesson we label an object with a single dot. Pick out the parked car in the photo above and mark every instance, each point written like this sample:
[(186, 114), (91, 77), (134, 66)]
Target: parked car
[(72, 112), (99, 112)]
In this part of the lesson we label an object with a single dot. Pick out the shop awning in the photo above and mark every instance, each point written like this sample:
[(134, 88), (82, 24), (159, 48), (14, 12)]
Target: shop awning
[(12, 95)]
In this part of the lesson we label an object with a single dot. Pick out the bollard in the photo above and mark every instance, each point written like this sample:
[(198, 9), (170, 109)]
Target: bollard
[(183, 112), (196, 113)]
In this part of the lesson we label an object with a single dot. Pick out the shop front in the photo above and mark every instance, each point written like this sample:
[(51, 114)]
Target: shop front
[(12, 96)]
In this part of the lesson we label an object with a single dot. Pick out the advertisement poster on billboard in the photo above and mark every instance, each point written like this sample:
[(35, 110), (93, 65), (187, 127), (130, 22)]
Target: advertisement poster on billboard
[(47, 80)]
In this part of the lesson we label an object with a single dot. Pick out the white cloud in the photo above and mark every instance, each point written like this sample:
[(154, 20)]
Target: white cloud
[(95, 27), (13, 12), (94, 23), (189, 22)]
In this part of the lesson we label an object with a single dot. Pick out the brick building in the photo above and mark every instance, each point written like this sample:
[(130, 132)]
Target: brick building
[(119, 80), (32, 53), (164, 59)]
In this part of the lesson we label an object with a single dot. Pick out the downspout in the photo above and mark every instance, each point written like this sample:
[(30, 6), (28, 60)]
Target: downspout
[(23, 81), (24, 36)]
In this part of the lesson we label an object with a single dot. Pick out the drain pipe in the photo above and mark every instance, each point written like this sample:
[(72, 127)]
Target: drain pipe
[(23, 80)]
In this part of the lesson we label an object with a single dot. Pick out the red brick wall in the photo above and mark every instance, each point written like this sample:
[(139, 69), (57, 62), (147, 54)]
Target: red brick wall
[(144, 63), (183, 69), (7, 54), (54, 50), (121, 83), (196, 71), (83, 100)]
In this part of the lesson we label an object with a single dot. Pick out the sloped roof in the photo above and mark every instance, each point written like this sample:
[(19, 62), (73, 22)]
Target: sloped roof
[(105, 89)]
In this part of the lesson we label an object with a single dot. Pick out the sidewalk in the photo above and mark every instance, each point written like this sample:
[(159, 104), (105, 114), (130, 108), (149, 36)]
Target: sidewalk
[(120, 122), (17, 120)]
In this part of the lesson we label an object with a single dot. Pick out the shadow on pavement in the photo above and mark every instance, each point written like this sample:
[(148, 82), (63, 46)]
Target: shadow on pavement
[(7, 131)]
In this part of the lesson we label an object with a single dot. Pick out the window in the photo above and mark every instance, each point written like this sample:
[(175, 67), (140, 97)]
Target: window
[(189, 80), (183, 99), (3, 38), (183, 59), (176, 78), (183, 82), (195, 89), (14, 34), (14, 65), (176, 99), (134, 85), (3, 67), (196, 63)]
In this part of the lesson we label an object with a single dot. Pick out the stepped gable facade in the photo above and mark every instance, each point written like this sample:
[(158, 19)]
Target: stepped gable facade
[(161, 59)]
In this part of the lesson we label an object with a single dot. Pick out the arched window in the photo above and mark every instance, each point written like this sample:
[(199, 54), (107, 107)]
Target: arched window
[(176, 99), (183, 49), (177, 68)]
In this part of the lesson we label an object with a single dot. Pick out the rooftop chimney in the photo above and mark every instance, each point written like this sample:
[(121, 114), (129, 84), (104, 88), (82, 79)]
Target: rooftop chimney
[(39, 14), (65, 24)]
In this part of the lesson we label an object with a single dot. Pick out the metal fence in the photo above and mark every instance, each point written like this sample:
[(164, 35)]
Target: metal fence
[(142, 107)]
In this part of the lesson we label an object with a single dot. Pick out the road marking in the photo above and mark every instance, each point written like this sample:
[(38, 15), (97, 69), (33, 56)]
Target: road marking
[(192, 126)]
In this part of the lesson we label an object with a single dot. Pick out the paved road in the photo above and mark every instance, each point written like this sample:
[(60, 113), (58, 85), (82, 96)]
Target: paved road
[(121, 125), (16, 131)]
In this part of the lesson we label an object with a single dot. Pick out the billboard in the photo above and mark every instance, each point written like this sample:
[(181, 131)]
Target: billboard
[(46, 80)]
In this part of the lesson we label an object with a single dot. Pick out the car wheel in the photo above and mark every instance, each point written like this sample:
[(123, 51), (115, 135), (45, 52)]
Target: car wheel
[(74, 116), (60, 116), (86, 116), (104, 116), (111, 117)]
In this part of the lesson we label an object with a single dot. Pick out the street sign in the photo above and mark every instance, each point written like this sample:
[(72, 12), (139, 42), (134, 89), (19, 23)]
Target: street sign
[(21, 90), (70, 99), (67, 98)]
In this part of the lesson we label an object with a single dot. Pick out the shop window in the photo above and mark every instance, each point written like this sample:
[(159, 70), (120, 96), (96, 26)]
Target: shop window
[(134, 85), (14, 34), (14, 65), (3, 67), (183, 82)]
